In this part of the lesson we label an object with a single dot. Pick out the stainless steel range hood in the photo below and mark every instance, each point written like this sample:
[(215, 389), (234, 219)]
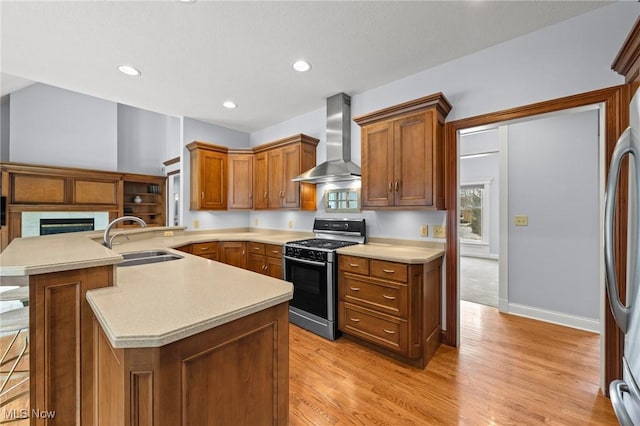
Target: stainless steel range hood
[(338, 166)]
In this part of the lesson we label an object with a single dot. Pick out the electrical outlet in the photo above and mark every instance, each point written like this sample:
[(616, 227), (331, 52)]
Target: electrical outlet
[(424, 231), (521, 220), (168, 233), (439, 231), (196, 224), (290, 224)]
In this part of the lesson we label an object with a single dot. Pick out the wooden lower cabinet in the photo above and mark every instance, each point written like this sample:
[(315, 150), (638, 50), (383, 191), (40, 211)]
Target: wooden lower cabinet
[(208, 250), (265, 259), (390, 306), (234, 374), (62, 338), (233, 253)]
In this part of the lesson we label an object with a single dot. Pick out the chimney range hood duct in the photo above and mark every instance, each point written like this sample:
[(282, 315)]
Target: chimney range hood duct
[(338, 166)]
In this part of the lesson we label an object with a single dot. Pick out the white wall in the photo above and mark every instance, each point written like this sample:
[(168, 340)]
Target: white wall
[(205, 132), (564, 59), (4, 128), (554, 179), (485, 168), (143, 140), (58, 127)]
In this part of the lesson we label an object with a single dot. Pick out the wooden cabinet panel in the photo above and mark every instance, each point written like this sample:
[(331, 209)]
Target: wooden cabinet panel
[(208, 176), (381, 295), (384, 330), (392, 306), (413, 160), (389, 270), (233, 374), (233, 253), (240, 181), (261, 181), (265, 259), (256, 248), (275, 165), (274, 267), (377, 166), (256, 263), (95, 192), (62, 338), (185, 249), (208, 250), (273, 250), (291, 163), (403, 155), (34, 189), (275, 178)]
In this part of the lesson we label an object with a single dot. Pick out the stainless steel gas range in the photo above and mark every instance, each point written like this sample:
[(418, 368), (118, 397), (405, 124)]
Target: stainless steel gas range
[(311, 266)]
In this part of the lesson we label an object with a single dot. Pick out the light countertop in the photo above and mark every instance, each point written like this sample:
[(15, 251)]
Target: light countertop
[(159, 303)]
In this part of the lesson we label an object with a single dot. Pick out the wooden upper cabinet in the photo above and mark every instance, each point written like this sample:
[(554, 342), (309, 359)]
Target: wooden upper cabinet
[(35, 189), (261, 181), (208, 176), (240, 180), (95, 192), (627, 62), (403, 155), (278, 162)]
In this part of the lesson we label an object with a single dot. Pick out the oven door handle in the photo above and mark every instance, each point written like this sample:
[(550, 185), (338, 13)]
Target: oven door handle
[(309, 262)]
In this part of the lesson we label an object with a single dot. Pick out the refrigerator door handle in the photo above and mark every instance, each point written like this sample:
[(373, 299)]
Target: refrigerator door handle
[(623, 147), (616, 388)]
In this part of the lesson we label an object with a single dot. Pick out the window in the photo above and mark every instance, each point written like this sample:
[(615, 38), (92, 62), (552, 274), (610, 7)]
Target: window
[(474, 213), (342, 200)]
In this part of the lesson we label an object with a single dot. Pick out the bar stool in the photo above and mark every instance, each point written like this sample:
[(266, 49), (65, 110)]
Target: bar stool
[(14, 321)]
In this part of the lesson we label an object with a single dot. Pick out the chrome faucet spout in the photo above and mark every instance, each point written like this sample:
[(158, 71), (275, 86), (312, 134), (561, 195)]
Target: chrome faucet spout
[(106, 240)]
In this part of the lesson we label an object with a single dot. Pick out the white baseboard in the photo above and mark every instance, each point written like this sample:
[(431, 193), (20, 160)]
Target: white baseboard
[(560, 318)]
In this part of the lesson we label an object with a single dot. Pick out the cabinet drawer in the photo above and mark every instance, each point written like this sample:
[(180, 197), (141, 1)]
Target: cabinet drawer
[(256, 248), (381, 295), (389, 270), (357, 265), (273, 250), (204, 248), (374, 327), (211, 256)]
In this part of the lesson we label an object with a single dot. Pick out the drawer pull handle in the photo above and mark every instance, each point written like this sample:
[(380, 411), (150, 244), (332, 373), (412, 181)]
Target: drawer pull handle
[(389, 271), (354, 265), (204, 248), (257, 248), (275, 251), (390, 187), (355, 288), (389, 297), (388, 331), (354, 319)]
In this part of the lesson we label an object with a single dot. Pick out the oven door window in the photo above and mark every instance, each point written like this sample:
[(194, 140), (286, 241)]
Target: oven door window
[(309, 287)]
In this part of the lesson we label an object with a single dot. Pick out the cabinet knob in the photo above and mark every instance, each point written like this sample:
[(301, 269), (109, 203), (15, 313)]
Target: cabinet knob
[(390, 187), (202, 195), (397, 186), (265, 195)]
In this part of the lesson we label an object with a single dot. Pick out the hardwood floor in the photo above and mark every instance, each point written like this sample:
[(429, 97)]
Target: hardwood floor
[(508, 371)]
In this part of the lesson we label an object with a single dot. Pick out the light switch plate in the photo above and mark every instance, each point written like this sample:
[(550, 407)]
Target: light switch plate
[(521, 220), (439, 231), (424, 231), (196, 224)]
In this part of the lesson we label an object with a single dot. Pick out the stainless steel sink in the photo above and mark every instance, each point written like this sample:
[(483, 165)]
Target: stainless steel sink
[(147, 256)]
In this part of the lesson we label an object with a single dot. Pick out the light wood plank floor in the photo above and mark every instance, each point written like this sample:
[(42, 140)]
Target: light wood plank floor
[(508, 371)]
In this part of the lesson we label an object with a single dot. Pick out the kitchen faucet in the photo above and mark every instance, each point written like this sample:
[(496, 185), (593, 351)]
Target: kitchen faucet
[(106, 240)]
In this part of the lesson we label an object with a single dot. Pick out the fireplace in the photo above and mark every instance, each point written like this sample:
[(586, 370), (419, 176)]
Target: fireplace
[(59, 226)]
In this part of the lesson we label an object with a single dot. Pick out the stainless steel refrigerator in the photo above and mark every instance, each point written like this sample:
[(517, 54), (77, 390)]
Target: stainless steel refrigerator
[(625, 393)]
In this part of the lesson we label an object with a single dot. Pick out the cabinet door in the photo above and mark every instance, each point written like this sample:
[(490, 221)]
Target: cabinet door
[(377, 165), (413, 160), (240, 181), (274, 267), (274, 168), (95, 192), (256, 263), (261, 181), (233, 253), (291, 169), (208, 180)]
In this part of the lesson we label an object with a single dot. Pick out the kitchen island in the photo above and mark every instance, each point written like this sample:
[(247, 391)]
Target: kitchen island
[(189, 341)]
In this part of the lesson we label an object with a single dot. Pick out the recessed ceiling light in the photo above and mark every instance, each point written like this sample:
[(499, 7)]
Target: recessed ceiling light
[(301, 66), (187, 1), (229, 104), (129, 70)]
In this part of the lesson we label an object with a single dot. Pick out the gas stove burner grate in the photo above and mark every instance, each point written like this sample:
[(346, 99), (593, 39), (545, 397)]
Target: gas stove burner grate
[(322, 243)]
